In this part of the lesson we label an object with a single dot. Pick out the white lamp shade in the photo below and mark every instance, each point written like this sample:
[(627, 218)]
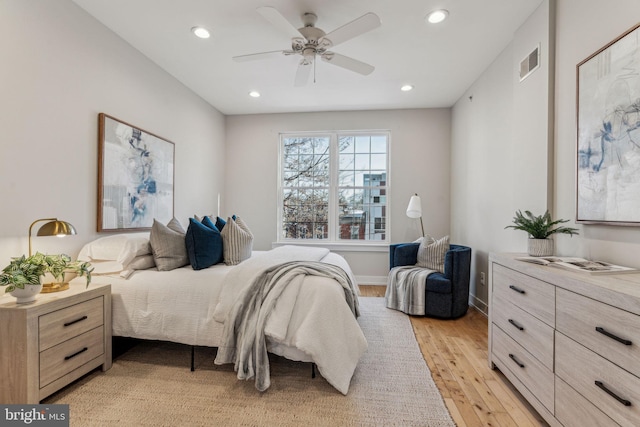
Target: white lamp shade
[(414, 210)]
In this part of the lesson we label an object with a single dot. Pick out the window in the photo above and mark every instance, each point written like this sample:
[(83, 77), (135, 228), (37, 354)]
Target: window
[(333, 187)]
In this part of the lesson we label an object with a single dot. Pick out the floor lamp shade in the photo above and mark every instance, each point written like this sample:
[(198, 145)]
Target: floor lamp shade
[(414, 210)]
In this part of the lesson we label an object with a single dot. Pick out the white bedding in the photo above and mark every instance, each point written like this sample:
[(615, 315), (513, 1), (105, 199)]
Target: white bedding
[(179, 306)]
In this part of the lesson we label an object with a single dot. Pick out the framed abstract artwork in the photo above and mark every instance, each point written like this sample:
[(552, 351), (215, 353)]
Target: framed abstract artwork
[(608, 119), (135, 177)]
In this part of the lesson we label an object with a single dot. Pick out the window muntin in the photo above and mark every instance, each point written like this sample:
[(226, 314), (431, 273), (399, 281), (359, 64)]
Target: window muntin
[(334, 187)]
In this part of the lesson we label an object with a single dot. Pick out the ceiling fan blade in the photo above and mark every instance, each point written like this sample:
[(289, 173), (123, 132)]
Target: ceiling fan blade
[(277, 20), (366, 22), (303, 72), (261, 55), (348, 63)]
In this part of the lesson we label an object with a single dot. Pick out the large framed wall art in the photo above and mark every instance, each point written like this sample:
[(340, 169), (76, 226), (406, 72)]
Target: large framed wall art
[(135, 177), (608, 158)]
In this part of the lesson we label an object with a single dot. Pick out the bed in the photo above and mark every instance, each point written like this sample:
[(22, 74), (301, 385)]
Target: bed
[(310, 321)]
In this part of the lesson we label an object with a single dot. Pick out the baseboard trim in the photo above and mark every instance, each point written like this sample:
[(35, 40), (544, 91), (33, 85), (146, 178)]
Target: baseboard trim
[(372, 280), (480, 305)]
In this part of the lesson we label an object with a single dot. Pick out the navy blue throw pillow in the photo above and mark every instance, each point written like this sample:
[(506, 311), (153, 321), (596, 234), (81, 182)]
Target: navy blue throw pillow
[(220, 223), (204, 245)]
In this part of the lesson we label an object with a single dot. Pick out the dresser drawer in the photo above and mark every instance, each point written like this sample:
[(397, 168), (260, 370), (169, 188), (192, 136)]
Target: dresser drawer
[(530, 332), (58, 361), (573, 410), (60, 325), (617, 337), (532, 295), (581, 368), (537, 378)]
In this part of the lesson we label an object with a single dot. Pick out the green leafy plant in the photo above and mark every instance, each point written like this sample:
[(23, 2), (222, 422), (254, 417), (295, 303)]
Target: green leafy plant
[(23, 270), (541, 226)]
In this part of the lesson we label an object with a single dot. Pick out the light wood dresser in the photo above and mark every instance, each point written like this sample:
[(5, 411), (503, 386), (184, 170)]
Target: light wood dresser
[(57, 339), (568, 341)]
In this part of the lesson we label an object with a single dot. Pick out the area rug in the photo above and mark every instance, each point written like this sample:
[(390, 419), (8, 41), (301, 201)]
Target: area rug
[(151, 385)]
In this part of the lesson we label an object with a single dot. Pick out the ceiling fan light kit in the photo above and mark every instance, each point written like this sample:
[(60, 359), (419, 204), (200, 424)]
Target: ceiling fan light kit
[(315, 42)]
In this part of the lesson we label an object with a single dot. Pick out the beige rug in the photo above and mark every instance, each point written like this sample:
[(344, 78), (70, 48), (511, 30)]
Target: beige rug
[(151, 385)]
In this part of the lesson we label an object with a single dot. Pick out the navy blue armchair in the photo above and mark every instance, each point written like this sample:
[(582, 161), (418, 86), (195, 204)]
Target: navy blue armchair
[(447, 293)]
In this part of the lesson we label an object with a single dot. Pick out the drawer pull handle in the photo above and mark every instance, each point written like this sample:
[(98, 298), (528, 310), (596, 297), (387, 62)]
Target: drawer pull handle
[(76, 353), (610, 335), (625, 402), (518, 290), (75, 321), (519, 363), (513, 322)]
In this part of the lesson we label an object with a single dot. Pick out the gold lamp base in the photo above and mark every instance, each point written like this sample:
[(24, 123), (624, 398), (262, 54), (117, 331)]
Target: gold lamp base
[(54, 287)]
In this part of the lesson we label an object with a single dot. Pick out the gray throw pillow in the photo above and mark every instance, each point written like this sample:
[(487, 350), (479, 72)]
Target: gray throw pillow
[(168, 245), (237, 241), (431, 253)]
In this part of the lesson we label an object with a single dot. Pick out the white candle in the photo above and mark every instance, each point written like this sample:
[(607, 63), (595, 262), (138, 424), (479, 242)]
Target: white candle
[(218, 204)]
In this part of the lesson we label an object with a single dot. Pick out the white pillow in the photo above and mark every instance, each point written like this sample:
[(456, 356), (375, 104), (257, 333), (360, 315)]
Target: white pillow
[(105, 267), (136, 245), (117, 247)]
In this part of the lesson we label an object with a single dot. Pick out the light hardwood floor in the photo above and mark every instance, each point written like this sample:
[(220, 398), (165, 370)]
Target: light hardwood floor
[(456, 353)]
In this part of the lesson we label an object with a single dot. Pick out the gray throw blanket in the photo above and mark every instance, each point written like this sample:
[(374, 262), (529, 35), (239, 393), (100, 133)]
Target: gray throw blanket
[(406, 289), (243, 339)]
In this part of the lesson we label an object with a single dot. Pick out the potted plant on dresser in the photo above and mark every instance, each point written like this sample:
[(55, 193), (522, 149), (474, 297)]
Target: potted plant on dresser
[(540, 228), (23, 276)]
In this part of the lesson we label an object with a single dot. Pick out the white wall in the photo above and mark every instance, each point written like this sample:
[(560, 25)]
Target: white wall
[(501, 136), (585, 26), (419, 162), (60, 68)]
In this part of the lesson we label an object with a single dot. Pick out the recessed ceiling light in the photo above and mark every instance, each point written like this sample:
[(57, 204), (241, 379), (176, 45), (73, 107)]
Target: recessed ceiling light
[(406, 88), (254, 94), (437, 16), (201, 32)]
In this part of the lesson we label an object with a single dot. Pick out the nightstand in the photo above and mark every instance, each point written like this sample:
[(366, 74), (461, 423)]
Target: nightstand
[(55, 340)]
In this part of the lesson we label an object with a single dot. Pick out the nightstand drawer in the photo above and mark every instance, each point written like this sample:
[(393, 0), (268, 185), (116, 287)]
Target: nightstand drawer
[(528, 331), (68, 322), (609, 331), (536, 377), (71, 354), (532, 295)]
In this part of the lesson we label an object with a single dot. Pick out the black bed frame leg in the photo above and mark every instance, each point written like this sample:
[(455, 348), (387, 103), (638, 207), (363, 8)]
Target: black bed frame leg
[(193, 357), (313, 370)]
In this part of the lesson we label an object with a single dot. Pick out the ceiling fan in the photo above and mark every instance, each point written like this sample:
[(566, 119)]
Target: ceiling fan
[(315, 42)]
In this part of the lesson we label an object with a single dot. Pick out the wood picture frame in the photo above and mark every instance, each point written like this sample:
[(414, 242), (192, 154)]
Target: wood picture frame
[(608, 133), (135, 177)]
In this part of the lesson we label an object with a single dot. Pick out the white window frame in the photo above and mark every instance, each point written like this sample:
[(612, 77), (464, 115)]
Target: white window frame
[(333, 242)]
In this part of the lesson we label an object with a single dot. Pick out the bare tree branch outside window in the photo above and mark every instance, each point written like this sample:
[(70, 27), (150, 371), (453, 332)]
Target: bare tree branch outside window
[(361, 190)]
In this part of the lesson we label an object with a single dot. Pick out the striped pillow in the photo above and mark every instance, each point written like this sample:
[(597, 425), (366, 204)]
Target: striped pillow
[(237, 241), (431, 253)]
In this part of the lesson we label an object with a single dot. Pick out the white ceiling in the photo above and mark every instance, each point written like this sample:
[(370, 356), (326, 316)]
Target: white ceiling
[(441, 61)]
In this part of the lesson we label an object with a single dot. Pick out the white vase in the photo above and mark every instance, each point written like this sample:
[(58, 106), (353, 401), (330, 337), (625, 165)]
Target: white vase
[(540, 247), (26, 295)]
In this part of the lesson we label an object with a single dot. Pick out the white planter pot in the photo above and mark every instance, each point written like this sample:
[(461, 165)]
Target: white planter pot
[(540, 247), (26, 295)]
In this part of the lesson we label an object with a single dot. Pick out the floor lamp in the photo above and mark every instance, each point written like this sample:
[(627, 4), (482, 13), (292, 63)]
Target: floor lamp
[(414, 210)]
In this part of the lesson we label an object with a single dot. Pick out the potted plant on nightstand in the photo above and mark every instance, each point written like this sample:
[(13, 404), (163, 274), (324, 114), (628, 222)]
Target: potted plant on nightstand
[(23, 275), (540, 228)]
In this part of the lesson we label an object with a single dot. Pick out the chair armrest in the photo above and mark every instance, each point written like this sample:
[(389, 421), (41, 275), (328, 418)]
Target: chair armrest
[(403, 254)]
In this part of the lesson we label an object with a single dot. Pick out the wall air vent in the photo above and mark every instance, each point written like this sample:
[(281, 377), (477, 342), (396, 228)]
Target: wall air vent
[(530, 63)]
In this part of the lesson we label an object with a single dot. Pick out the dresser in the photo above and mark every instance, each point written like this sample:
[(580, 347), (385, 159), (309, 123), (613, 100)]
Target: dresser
[(57, 339), (568, 341)]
